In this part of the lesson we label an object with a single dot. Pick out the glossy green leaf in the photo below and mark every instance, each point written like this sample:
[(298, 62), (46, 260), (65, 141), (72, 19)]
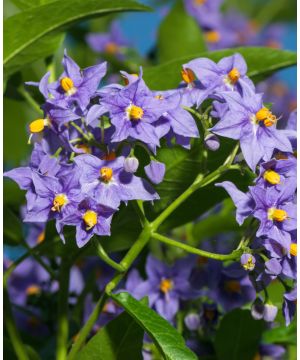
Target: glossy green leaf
[(179, 35), (26, 4), (166, 338), (238, 336), (22, 47), (121, 338), (261, 62), (182, 167)]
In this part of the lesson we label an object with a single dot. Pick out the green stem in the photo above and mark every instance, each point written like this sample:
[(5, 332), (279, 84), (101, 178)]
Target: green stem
[(125, 263), (104, 256), (232, 256), (12, 330), (78, 128), (199, 182), (86, 329), (63, 325), (30, 100)]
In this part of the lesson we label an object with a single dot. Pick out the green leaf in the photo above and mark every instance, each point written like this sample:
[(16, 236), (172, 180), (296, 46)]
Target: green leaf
[(238, 336), (179, 35), (182, 167), (219, 223), (48, 19), (12, 229), (286, 335), (166, 338), (261, 62), (26, 4), (121, 338)]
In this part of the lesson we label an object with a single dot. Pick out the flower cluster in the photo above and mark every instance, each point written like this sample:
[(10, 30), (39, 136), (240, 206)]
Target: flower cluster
[(83, 166), (233, 28)]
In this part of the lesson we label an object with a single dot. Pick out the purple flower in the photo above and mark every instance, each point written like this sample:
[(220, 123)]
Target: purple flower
[(274, 173), (227, 75), (177, 121), (108, 182), (271, 351), (275, 211), (248, 262), (233, 288), (253, 125), (289, 305), (111, 43), (75, 86), (133, 110), (166, 286), (155, 171), (207, 13), (90, 218)]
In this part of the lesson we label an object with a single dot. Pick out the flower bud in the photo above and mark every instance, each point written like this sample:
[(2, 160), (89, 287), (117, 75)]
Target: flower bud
[(155, 171), (131, 164), (257, 309), (192, 321), (270, 312), (212, 142)]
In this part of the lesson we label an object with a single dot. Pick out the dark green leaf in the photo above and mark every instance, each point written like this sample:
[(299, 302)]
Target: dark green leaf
[(166, 338), (179, 35), (48, 19), (12, 229), (120, 339), (261, 62), (238, 336), (182, 167)]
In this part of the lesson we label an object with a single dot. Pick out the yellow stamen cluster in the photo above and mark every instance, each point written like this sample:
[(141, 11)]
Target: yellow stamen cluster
[(234, 75), (249, 265), (59, 201), (134, 112), (67, 85), (166, 285), (212, 36), (111, 48), (90, 218), (277, 214), (280, 156), (293, 249), (33, 290), (106, 174), (187, 75), (266, 116), (271, 177), (199, 2), (232, 286), (38, 125)]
